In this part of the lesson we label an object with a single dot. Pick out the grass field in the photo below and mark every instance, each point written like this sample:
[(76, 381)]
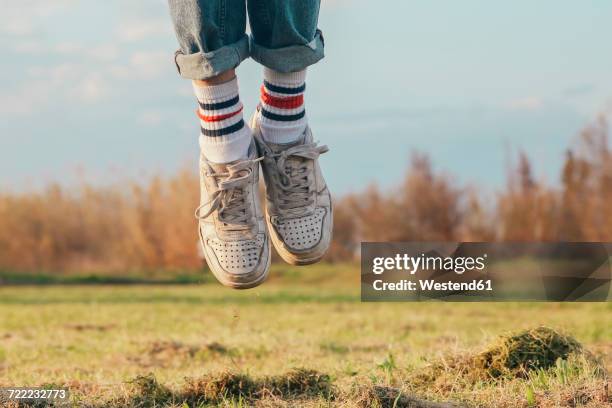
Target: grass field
[(201, 345)]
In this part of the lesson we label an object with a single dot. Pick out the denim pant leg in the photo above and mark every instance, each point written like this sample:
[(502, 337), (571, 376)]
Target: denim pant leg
[(285, 37), (211, 34)]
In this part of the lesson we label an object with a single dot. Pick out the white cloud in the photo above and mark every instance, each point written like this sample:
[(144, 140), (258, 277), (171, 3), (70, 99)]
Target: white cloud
[(119, 71), (527, 103), (150, 118), (18, 27), (104, 52), (68, 48), (44, 86), (22, 18), (93, 88), (68, 69), (54, 74), (48, 85), (88, 81), (26, 47), (149, 64), (19, 101), (139, 30)]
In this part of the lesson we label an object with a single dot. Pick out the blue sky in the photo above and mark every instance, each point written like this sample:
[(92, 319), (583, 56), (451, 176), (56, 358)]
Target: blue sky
[(89, 90)]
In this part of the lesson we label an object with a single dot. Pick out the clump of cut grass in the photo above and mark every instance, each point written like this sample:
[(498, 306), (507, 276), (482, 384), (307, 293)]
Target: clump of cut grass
[(533, 349), (299, 383), (388, 397), (512, 356), (221, 388), (216, 388), (149, 392)]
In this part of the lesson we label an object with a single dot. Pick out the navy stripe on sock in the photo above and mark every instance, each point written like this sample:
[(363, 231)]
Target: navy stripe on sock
[(283, 90), (225, 131), (283, 118), (219, 105)]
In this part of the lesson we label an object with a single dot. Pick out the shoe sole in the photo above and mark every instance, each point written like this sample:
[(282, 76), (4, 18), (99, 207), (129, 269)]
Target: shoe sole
[(238, 285), (290, 257)]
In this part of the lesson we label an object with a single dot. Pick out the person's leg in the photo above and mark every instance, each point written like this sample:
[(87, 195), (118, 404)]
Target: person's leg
[(224, 137), (285, 40), (211, 34), (212, 39), (213, 42), (285, 37), (282, 116), (298, 204)]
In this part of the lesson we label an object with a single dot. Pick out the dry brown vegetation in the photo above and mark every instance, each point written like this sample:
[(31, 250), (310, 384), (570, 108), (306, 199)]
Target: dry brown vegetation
[(102, 229), (151, 227), (430, 206)]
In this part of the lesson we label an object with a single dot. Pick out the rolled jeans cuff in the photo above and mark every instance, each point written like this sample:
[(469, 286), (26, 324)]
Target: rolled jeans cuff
[(292, 58), (205, 65)]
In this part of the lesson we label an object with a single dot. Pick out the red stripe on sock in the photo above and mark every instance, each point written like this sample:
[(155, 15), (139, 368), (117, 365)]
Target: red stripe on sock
[(217, 118), (290, 102)]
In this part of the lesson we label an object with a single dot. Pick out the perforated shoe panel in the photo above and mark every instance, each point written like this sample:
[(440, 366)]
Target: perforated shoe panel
[(237, 257), (304, 232)]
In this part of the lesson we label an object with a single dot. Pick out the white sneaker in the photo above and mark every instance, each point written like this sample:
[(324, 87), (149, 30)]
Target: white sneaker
[(231, 223), (298, 202)]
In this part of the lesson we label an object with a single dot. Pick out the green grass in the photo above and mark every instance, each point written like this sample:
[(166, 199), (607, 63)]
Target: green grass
[(133, 278), (98, 338)]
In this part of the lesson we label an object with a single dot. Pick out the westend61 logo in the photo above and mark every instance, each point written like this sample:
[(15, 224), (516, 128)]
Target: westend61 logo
[(412, 264)]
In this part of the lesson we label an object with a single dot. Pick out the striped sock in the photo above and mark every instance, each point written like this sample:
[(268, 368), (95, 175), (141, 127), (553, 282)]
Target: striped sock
[(224, 135), (282, 116)]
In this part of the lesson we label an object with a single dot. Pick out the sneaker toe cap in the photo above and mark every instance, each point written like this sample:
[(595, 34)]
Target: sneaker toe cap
[(303, 233), (240, 262)]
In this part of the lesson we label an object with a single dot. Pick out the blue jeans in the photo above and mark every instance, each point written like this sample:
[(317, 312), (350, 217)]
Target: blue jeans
[(212, 35)]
